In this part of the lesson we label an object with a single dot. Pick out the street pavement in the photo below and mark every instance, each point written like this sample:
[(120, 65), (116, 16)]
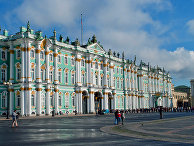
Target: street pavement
[(79, 130)]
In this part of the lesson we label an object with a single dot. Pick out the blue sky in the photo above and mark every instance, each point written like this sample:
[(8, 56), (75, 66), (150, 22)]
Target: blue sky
[(157, 31)]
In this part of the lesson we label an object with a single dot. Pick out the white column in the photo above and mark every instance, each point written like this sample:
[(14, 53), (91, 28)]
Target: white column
[(111, 67), (114, 100), (11, 95), (22, 100), (11, 69), (77, 101), (47, 64), (29, 100), (48, 100), (56, 65), (91, 102), (23, 49), (38, 99), (38, 49), (105, 100), (29, 78), (136, 88), (56, 95), (88, 72), (78, 69), (80, 102), (105, 65)]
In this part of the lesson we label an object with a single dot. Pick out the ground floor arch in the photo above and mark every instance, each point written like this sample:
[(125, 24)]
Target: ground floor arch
[(98, 101), (85, 102)]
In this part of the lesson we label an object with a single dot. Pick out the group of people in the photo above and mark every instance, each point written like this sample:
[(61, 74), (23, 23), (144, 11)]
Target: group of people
[(119, 117)]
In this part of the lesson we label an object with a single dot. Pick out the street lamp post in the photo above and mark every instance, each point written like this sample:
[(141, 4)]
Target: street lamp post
[(7, 85)]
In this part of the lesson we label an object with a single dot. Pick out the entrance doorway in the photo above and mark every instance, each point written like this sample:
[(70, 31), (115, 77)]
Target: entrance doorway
[(98, 101), (110, 101), (84, 102)]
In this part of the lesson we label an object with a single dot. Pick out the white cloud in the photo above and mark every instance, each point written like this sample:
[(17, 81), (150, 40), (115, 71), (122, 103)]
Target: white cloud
[(190, 25), (119, 25)]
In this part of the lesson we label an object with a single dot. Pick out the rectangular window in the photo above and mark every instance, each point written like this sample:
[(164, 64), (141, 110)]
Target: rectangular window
[(60, 101), (59, 58), (59, 76), (3, 74), (18, 101), (72, 61), (4, 101), (32, 100), (18, 74), (32, 74), (73, 78), (3, 55), (66, 100), (50, 57), (65, 60), (51, 76), (32, 53), (52, 100), (18, 54), (66, 77), (41, 55)]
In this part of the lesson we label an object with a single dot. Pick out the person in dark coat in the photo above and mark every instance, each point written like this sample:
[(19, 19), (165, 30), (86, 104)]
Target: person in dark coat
[(116, 117)]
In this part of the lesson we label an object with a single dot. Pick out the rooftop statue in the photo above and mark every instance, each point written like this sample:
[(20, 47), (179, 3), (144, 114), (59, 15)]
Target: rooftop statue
[(94, 40)]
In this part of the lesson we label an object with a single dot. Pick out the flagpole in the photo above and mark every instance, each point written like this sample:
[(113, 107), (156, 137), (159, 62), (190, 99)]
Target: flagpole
[(81, 31)]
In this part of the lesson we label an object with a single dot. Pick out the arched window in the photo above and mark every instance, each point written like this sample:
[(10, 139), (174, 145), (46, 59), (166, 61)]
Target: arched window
[(60, 100), (121, 84), (42, 73), (101, 66), (18, 55), (73, 78), (101, 80), (66, 61), (3, 55), (52, 100), (32, 100), (72, 61), (32, 74), (117, 83), (41, 55), (3, 74), (59, 58), (18, 73), (73, 100), (108, 82), (96, 79), (83, 78), (50, 57), (51, 75), (60, 76), (4, 101), (117, 70), (96, 65), (66, 77), (18, 100), (82, 62), (66, 100), (32, 53), (121, 70)]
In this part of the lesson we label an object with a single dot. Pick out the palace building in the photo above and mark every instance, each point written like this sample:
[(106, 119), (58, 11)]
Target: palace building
[(40, 75)]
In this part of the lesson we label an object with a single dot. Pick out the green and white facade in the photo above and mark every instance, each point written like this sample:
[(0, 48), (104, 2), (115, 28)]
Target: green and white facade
[(55, 75)]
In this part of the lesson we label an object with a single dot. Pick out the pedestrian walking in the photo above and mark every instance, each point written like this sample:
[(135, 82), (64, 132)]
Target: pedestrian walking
[(122, 116), (14, 119), (116, 117), (119, 117)]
